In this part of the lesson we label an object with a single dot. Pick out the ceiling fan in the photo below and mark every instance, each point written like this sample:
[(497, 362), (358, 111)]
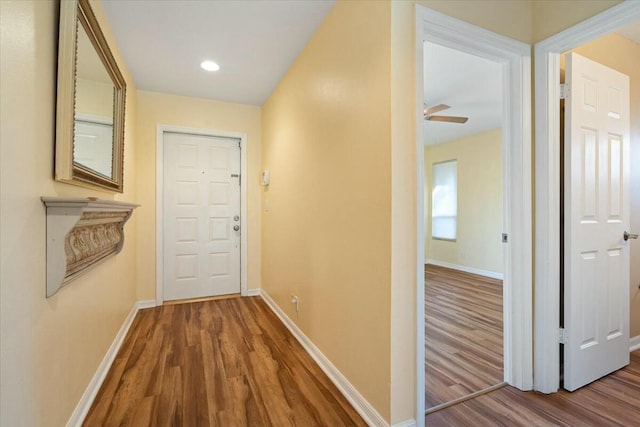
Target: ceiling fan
[(428, 115)]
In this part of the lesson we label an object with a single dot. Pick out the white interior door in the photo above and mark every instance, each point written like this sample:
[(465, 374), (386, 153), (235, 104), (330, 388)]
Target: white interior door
[(596, 216), (201, 216), (93, 145)]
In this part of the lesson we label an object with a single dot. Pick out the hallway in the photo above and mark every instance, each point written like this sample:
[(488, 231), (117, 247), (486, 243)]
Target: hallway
[(225, 362)]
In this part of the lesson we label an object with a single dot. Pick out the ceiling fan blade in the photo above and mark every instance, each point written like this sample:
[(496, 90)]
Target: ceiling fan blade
[(448, 119), (435, 109)]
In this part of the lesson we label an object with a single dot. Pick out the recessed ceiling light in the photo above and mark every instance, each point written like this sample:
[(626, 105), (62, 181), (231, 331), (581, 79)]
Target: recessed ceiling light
[(209, 66)]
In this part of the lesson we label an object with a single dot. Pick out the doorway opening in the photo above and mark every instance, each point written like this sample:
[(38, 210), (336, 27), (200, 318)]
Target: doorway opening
[(464, 211), (514, 60), (549, 230), (595, 214)]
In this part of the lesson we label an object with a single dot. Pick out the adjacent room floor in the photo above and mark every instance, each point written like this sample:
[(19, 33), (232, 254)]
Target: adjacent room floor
[(611, 401), (463, 334), (227, 362)]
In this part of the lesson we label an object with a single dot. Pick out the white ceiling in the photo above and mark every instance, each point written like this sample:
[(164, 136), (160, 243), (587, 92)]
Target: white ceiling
[(254, 42), (471, 85)]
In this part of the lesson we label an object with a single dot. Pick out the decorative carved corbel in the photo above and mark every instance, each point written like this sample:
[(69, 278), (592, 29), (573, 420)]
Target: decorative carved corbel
[(81, 233)]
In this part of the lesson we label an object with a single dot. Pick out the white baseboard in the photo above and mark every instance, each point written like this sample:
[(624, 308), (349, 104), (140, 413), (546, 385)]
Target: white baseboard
[(253, 292), (364, 408), (634, 343), (407, 423), (148, 303), (82, 409), (472, 270)]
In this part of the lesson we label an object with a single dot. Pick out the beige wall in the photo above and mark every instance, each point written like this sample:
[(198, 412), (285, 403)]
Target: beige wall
[(163, 109), (51, 347), (528, 21), (552, 16), (624, 55), (480, 206), (94, 98), (326, 236), (511, 18)]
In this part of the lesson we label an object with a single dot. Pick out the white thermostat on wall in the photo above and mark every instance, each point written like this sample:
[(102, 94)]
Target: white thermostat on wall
[(265, 177)]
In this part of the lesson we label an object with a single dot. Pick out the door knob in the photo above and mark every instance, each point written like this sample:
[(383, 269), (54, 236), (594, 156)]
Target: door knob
[(236, 218), (628, 236), (237, 227)]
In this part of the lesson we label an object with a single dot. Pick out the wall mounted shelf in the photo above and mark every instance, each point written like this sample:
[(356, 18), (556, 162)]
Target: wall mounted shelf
[(81, 233)]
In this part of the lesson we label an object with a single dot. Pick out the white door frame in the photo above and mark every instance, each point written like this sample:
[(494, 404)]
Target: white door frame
[(161, 129), (547, 146), (515, 58)]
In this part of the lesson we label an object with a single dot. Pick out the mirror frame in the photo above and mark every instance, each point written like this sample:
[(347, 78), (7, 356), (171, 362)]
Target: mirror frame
[(72, 14)]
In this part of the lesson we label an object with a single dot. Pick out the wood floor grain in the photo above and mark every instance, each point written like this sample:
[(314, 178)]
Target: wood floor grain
[(611, 401), (225, 363), (463, 334)]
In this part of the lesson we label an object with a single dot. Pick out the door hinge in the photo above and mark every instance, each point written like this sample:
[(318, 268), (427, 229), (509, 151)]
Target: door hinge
[(505, 238), (564, 91), (562, 336)]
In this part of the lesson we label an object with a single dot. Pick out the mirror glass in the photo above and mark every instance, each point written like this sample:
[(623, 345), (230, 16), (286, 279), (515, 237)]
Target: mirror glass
[(90, 103), (93, 117)]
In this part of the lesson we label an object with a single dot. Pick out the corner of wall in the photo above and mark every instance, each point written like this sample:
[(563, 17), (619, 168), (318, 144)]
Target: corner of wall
[(402, 404)]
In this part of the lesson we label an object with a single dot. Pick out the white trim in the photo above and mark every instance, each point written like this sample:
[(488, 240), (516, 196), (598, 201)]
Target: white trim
[(359, 403), (634, 343), (547, 233), (253, 292), (144, 304), (420, 215), (515, 58), (407, 423), (93, 118), (82, 409), (472, 270), (161, 129), (462, 399)]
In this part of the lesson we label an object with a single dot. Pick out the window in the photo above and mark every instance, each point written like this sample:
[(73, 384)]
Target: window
[(444, 200)]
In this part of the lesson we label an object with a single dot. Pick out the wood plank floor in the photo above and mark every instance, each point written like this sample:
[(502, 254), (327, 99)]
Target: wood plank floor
[(611, 401), (216, 363), (463, 334)]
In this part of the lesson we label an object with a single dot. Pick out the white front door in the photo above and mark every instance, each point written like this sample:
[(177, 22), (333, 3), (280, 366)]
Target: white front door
[(596, 256), (201, 216), (93, 145)]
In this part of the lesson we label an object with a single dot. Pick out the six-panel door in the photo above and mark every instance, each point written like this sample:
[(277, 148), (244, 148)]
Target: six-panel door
[(201, 216), (596, 215)]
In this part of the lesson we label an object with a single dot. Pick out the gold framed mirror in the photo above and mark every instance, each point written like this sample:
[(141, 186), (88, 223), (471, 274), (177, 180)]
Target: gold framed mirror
[(90, 103)]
